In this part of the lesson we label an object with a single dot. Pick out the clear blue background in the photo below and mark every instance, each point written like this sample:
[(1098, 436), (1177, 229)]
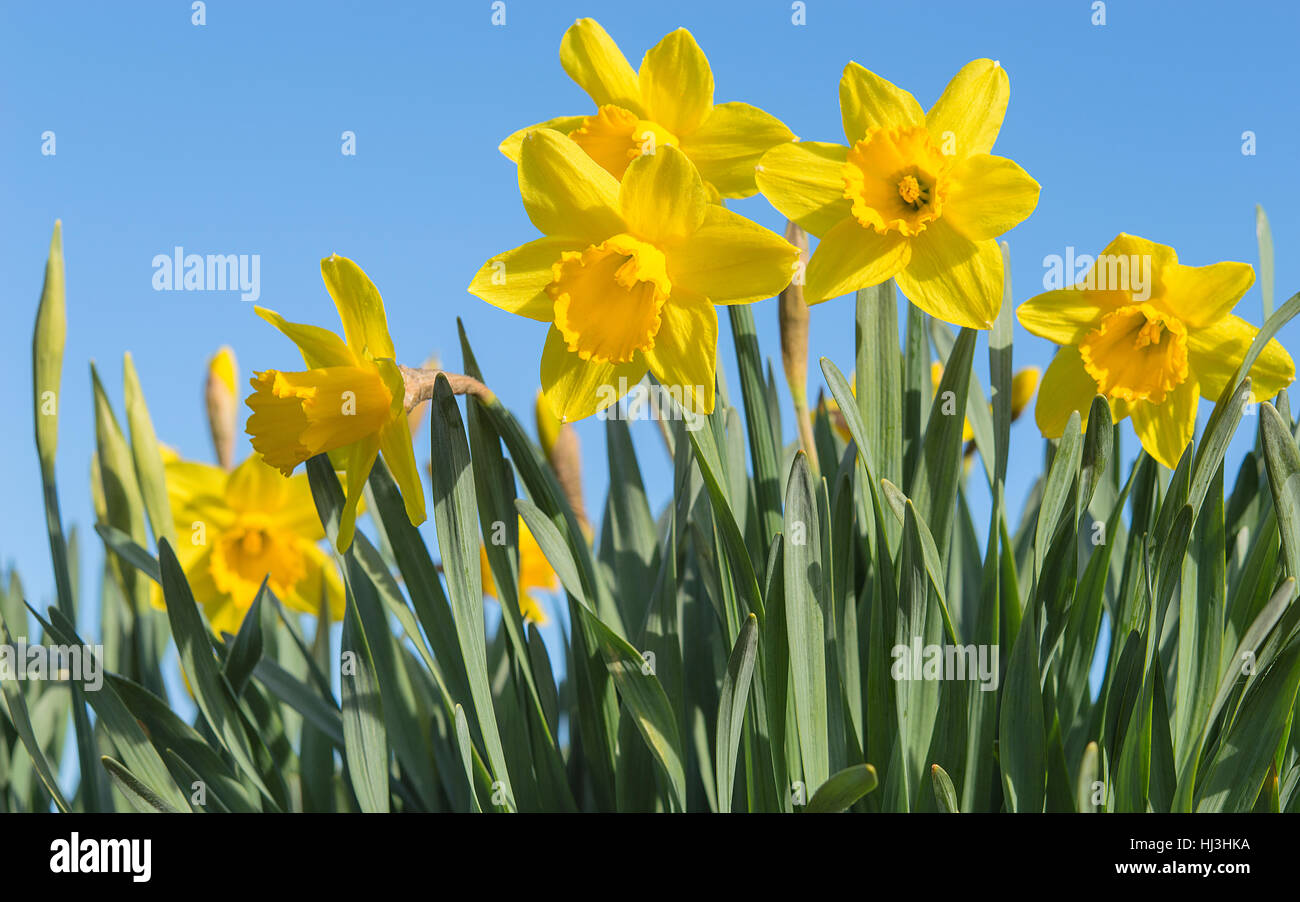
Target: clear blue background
[(226, 139)]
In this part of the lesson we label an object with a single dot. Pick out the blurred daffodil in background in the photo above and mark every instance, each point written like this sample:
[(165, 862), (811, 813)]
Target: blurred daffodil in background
[(627, 274), (236, 528), (916, 195), (1023, 385), (1153, 336), (534, 573), (668, 102), (350, 400)]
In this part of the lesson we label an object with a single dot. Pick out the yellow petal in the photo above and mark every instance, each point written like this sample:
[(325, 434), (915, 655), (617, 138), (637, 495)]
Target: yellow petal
[(535, 570), (936, 376), (868, 101), (1129, 270), (577, 388), (565, 192), (850, 257), (225, 614), (1023, 385), (684, 357), (1217, 351), (1166, 428), (953, 278), (196, 494), (1134, 266), (594, 61), (532, 610), (1066, 387), (516, 280), (321, 579), (676, 83), (297, 511), (1066, 315), (319, 347), (988, 195), (1202, 295), (729, 144), (360, 458), (971, 108), (662, 197), (395, 445), (365, 325), (512, 145), (194, 555), (731, 260), (255, 485), (804, 180)]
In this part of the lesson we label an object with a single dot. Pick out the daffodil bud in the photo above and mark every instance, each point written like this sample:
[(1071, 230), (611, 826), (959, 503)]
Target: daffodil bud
[(223, 405), (548, 425), (794, 320), (1023, 386), (560, 443)]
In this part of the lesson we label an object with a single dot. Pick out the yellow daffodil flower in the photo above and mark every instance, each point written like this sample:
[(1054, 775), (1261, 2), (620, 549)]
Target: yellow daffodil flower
[(350, 400), (916, 196), (236, 528), (534, 573), (670, 101), (1023, 385), (1152, 335), (628, 274)]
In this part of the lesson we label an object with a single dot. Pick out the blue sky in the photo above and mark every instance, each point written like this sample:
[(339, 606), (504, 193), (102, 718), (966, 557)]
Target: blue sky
[(226, 139)]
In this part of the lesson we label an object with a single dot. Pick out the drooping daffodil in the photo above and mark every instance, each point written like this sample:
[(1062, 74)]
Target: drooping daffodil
[(350, 401), (915, 196), (627, 274), (1153, 336), (668, 102)]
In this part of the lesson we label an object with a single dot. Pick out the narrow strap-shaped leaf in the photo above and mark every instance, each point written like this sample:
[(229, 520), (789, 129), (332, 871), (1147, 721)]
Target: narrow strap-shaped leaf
[(731, 708), (843, 789), (365, 738), (455, 510), (806, 601)]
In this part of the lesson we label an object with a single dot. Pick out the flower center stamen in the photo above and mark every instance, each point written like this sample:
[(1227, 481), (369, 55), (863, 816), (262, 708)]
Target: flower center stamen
[(910, 190), (896, 180), (1136, 353), (251, 550)]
